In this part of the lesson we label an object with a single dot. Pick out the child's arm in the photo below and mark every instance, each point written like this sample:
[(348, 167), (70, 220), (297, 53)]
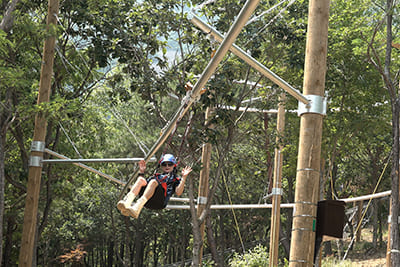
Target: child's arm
[(181, 186)]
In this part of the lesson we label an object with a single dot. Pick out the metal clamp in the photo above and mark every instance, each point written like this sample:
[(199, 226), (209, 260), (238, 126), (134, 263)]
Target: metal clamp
[(393, 251), (300, 261), (306, 203), (277, 191), (303, 229), (390, 218), (37, 146), (202, 200), (316, 105), (35, 161), (307, 169)]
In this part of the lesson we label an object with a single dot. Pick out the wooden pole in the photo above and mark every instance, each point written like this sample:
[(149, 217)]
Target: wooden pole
[(277, 186), (204, 181), (309, 153), (35, 170)]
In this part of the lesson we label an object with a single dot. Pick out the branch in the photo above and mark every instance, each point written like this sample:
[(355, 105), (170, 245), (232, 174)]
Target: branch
[(378, 64), (7, 21)]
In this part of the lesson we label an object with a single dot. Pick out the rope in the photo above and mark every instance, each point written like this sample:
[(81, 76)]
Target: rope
[(70, 140), (366, 209), (277, 15), (203, 4), (72, 42), (331, 175), (186, 133), (265, 12), (233, 212), (118, 116)]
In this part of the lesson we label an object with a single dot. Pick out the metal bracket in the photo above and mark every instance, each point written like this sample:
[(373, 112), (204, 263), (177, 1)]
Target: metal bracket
[(277, 191), (37, 146), (35, 161), (390, 218), (202, 200), (316, 105)]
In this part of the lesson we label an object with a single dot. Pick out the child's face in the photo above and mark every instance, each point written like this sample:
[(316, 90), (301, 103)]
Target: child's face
[(167, 166)]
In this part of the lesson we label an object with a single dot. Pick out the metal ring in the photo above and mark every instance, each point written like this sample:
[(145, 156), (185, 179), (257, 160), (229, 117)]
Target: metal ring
[(37, 146), (35, 161), (307, 169), (302, 229), (202, 200), (306, 203), (302, 261), (305, 215), (277, 191)]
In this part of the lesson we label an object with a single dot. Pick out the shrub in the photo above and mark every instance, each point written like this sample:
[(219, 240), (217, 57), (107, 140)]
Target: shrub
[(256, 257)]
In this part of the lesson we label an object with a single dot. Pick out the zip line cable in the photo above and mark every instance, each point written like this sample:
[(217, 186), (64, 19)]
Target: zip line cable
[(369, 202)]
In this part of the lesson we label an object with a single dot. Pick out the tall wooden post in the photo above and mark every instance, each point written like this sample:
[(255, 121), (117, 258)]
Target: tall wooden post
[(204, 178), (309, 153), (277, 185), (35, 168)]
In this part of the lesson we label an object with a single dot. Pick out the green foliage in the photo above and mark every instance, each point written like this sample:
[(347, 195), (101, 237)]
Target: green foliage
[(127, 58), (333, 262), (256, 257)]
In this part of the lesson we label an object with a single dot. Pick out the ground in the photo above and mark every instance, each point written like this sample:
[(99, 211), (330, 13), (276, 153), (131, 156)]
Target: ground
[(376, 259), (363, 254)]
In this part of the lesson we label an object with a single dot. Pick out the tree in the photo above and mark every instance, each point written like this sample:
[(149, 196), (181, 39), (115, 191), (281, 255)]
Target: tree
[(382, 60)]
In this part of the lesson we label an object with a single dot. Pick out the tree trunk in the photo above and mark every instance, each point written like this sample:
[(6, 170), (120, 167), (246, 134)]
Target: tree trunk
[(5, 121), (211, 242), (8, 243), (139, 248), (2, 175), (110, 253), (374, 223), (7, 21), (394, 230), (269, 163)]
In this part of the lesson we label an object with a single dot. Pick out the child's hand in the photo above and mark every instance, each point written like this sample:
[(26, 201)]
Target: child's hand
[(186, 170), (142, 166)]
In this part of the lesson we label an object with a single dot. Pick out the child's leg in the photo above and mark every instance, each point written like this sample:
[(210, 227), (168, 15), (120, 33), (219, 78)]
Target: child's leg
[(134, 211), (128, 199)]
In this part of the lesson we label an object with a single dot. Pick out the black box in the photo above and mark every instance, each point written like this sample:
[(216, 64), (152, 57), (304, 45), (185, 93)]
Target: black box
[(330, 218)]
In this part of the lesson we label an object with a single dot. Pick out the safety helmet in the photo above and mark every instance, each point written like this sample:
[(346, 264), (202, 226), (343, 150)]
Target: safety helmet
[(168, 158)]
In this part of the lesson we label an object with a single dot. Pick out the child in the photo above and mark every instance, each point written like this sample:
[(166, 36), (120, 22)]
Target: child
[(154, 192)]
